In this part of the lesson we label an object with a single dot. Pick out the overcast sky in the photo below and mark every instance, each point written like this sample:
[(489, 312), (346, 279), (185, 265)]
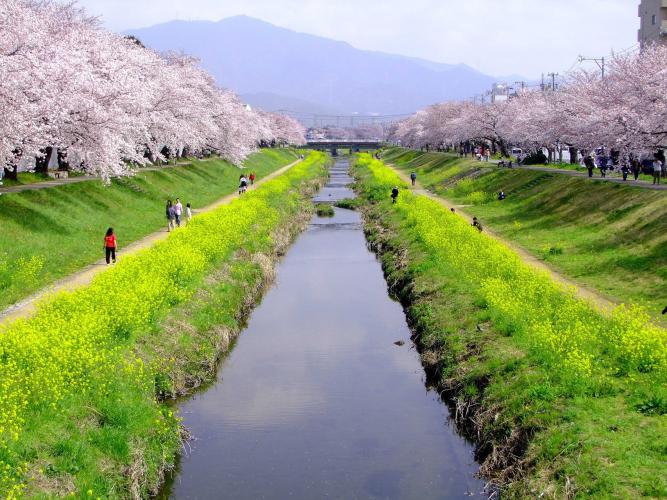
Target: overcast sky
[(498, 37)]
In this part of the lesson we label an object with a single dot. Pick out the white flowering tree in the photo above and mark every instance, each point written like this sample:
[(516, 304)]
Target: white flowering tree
[(104, 103), (626, 112)]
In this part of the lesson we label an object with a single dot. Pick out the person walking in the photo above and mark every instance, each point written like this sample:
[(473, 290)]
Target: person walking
[(252, 179), (476, 224), (636, 168), (413, 178), (602, 165), (657, 171), (188, 212), (110, 245), (178, 211), (171, 216), (394, 194), (625, 170), (590, 165), (243, 184)]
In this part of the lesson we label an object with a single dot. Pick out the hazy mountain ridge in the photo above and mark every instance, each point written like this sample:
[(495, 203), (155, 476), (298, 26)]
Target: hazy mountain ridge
[(256, 58)]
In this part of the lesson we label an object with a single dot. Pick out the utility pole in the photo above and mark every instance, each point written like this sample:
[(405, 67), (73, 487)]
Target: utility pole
[(553, 80), (600, 61), (542, 86)]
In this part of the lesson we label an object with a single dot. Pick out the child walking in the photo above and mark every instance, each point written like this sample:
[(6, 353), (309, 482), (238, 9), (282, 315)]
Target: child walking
[(188, 212), (110, 246)]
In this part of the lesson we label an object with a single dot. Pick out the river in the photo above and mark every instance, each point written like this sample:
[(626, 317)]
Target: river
[(315, 400)]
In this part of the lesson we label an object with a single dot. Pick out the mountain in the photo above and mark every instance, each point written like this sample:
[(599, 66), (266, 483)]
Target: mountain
[(274, 102), (285, 68)]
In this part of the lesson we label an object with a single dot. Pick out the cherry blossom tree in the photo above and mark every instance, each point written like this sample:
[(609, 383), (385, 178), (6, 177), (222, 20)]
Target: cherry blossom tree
[(626, 112), (104, 103)]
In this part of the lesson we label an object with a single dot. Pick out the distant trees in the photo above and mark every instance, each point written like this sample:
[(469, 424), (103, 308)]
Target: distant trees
[(103, 103), (625, 112), (370, 131)]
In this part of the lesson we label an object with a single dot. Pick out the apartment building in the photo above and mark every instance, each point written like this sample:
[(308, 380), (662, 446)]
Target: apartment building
[(653, 21)]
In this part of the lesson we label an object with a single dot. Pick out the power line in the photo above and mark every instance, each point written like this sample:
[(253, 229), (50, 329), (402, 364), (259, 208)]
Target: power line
[(600, 61)]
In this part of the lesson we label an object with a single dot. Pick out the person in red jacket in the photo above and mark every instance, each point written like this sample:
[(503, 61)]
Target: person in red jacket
[(252, 179), (110, 246)]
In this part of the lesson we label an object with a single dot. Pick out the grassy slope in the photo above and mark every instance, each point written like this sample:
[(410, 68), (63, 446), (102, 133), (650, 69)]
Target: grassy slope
[(537, 435), (51, 233), (111, 438), (609, 237)]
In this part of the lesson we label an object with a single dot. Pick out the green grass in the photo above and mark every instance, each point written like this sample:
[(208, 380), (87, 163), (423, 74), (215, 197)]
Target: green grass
[(25, 178), (606, 236), (51, 233), (538, 436)]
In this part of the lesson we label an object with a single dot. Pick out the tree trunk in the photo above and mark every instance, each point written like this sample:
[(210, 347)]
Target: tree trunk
[(11, 173), (42, 162), (574, 155), (12, 168), (503, 149)]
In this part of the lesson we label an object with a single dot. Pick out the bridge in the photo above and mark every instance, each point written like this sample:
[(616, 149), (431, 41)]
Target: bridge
[(353, 145)]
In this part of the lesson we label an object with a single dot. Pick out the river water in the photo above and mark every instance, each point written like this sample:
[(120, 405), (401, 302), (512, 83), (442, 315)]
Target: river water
[(315, 400)]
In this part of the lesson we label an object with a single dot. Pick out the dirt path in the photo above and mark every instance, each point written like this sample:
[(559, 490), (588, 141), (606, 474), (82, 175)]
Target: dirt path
[(530, 259), (82, 278)]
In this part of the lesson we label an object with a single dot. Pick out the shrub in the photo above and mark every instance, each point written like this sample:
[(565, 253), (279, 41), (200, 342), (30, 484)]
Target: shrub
[(325, 210), (537, 158)]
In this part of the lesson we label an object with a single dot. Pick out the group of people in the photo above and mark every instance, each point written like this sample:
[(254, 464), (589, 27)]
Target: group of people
[(483, 154), (175, 212), (244, 182), (479, 152), (634, 166)]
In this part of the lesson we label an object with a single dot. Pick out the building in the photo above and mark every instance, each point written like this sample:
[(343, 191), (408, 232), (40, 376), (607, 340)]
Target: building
[(653, 24), (500, 92)]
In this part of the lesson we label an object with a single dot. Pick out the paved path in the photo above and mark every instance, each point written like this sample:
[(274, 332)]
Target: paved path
[(583, 292), (83, 178), (617, 180), (82, 278)]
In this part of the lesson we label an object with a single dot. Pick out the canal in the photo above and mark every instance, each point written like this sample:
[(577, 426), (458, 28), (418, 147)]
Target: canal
[(316, 400)]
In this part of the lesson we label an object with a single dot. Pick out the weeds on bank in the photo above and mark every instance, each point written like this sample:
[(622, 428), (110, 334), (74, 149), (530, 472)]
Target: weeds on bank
[(565, 399)]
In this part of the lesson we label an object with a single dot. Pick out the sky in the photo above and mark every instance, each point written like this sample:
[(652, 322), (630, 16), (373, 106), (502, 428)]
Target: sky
[(497, 37)]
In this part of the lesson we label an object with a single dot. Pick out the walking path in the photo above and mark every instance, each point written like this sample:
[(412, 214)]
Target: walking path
[(84, 277), (617, 180), (83, 178), (583, 292)]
